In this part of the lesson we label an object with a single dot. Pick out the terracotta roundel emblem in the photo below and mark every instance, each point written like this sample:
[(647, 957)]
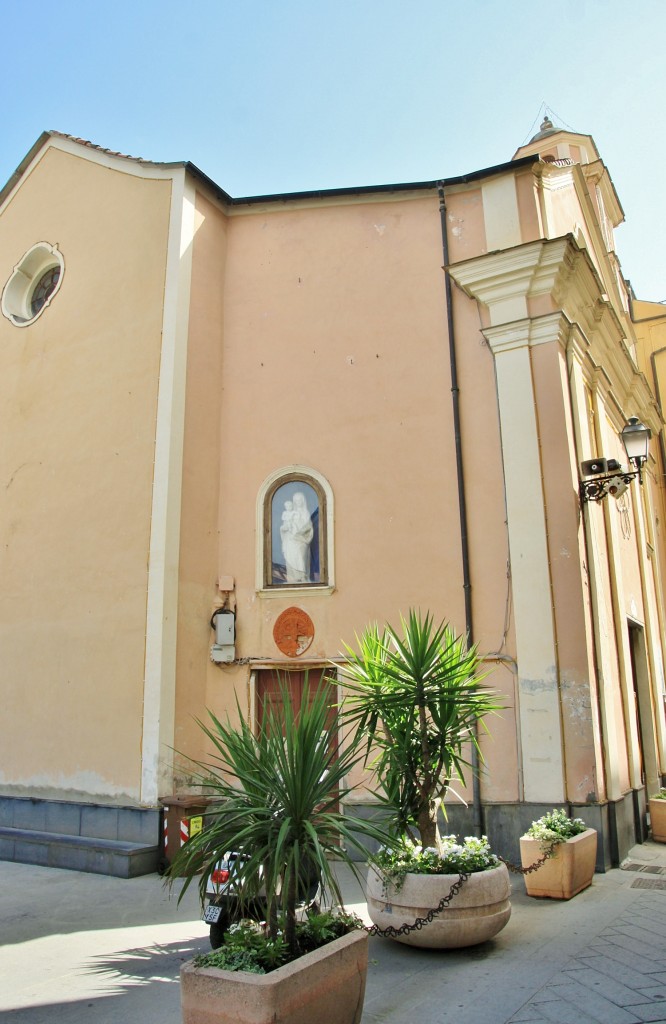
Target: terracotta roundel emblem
[(293, 632)]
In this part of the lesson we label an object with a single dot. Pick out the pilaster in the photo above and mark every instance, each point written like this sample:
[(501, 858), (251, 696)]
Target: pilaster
[(538, 690)]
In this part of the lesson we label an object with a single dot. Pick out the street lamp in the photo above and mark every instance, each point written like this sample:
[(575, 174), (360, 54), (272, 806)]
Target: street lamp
[(635, 437)]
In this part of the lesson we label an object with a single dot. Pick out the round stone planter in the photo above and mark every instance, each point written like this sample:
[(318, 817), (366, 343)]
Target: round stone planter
[(658, 819), (327, 986), (477, 913), (567, 872)]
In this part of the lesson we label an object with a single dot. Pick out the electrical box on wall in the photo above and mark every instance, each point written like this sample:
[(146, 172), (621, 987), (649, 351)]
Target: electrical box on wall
[(225, 628), (222, 655), (223, 651)]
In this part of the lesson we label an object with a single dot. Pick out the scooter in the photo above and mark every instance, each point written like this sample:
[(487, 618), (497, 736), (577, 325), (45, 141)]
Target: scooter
[(226, 908)]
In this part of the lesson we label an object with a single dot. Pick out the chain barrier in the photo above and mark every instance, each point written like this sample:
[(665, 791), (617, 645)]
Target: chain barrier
[(392, 933), (550, 852)]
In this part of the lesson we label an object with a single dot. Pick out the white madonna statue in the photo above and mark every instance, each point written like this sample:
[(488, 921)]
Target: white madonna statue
[(296, 532)]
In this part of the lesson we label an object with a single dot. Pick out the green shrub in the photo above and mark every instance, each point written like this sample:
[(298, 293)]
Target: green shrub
[(415, 693), (248, 946), (556, 827), (276, 804), (452, 858)]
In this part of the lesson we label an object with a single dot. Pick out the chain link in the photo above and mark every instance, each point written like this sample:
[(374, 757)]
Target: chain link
[(392, 932), (550, 852)]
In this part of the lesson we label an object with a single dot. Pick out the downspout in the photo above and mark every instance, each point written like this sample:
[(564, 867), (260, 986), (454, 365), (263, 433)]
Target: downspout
[(462, 504)]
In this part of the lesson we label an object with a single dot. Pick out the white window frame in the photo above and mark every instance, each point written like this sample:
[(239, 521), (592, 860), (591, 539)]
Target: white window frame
[(270, 483), (26, 275)]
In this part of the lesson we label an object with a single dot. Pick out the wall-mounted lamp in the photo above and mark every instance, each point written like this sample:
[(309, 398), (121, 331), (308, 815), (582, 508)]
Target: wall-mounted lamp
[(609, 476)]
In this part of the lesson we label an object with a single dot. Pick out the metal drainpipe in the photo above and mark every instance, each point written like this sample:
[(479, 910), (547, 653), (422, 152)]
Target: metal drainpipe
[(462, 504)]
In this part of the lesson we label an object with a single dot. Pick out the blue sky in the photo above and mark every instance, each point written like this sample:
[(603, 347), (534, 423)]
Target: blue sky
[(281, 95)]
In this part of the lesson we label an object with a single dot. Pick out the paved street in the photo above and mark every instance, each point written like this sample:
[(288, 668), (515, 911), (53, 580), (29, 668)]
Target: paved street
[(79, 947)]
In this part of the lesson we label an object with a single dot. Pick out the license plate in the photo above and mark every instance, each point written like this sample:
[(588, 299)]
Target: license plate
[(212, 914)]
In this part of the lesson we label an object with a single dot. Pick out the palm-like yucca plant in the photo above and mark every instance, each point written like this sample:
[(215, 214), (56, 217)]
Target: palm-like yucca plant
[(417, 697), (275, 802)]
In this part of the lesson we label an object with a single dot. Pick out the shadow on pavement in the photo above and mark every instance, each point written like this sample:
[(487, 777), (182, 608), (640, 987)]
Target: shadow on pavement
[(131, 985)]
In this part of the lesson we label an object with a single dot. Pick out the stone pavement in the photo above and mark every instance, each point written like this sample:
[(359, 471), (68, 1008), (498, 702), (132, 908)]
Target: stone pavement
[(78, 947), (621, 977)]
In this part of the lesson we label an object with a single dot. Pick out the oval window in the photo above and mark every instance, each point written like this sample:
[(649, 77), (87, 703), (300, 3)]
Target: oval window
[(35, 280)]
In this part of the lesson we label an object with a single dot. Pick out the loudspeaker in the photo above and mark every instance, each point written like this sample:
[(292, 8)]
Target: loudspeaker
[(593, 467)]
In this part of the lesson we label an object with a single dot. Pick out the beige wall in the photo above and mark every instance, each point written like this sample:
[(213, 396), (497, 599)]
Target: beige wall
[(335, 357), (78, 400)]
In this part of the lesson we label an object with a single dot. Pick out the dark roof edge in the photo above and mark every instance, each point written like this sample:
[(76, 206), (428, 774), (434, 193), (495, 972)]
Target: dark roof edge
[(217, 189), (23, 166), (487, 172), (331, 193)]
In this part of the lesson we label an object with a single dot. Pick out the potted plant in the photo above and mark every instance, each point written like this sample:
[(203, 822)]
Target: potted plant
[(417, 696), (658, 816), (570, 849), (275, 805)]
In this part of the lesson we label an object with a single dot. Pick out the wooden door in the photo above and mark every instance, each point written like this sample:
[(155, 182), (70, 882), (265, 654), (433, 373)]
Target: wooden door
[(299, 682)]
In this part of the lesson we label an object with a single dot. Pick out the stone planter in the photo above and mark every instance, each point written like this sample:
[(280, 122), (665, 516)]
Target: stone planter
[(326, 986), (567, 872), (658, 819), (477, 913)]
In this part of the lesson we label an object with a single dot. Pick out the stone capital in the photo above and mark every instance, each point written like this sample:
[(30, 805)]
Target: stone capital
[(504, 281), (528, 333)]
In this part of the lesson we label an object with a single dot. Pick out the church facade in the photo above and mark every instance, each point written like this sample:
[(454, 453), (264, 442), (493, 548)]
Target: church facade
[(236, 431)]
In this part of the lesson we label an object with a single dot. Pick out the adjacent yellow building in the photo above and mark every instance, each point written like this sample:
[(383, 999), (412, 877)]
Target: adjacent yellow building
[(234, 431)]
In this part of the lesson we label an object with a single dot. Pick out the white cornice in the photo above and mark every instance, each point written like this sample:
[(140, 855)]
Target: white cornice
[(555, 177), (559, 269), (522, 271), (555, 267), (529, 332)]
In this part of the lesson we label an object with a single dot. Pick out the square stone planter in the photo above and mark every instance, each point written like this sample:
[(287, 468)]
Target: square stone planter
[(326, 986), (658, 819), (567, 872)]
